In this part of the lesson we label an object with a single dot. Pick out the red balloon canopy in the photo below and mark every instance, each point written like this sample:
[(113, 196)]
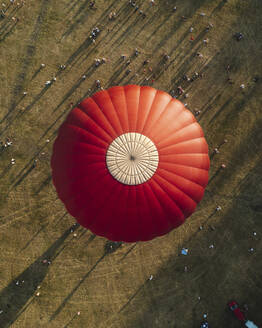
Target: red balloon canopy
[(130, 163)]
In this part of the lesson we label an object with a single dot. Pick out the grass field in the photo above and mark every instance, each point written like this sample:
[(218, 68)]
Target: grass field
[(113, 290)]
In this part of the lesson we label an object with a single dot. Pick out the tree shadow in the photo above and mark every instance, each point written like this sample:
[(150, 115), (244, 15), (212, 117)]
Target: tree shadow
[(13, 298)]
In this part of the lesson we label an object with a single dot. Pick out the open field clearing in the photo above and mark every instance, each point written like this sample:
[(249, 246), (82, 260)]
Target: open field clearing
[(113, 290)]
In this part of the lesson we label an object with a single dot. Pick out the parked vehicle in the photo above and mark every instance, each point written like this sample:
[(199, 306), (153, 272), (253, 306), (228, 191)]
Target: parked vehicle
[(250, 324), (233, 306), (204, 324)]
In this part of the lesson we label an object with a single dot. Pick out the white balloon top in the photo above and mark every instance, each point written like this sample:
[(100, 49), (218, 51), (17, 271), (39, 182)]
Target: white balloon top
[(132, 158)]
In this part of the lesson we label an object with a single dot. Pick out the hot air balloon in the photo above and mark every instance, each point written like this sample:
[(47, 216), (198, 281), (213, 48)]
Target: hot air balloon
[(130, 163)]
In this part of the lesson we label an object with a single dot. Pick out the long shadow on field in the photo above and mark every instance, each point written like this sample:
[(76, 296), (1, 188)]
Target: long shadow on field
[(70, 295), (129, 27), (119, 21), (62, 115), (70, 321), (155, 18), (132, 297), (70, 92), (29, 54), (36, 73), (7, 31), (34, 236), (128, 252), (71, 6), (6, 170), (44, 183), (107, 250), (35, 100), (14, 298), (27, 169), (218, 7), (80, 19), (240, 104)]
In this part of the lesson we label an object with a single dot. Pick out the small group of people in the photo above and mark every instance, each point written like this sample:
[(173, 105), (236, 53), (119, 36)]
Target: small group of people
[(94, 33), (99, 61), (92, 4), (4, 9), (6, 144), (112, 15), (133, 4), (45, 261)]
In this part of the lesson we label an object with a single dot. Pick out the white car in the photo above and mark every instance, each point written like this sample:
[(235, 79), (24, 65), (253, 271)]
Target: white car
[(250, 324)]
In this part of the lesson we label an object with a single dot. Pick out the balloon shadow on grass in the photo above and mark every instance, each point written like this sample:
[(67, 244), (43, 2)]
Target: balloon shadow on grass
[(14, 298)]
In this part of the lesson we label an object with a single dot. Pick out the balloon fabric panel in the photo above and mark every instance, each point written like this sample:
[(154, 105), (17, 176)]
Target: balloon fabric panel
[(190, 131), (147, 96), (104, 102), (118, 99)]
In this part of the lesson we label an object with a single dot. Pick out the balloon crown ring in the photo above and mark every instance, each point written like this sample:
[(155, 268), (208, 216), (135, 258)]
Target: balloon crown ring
[(132, 158)]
